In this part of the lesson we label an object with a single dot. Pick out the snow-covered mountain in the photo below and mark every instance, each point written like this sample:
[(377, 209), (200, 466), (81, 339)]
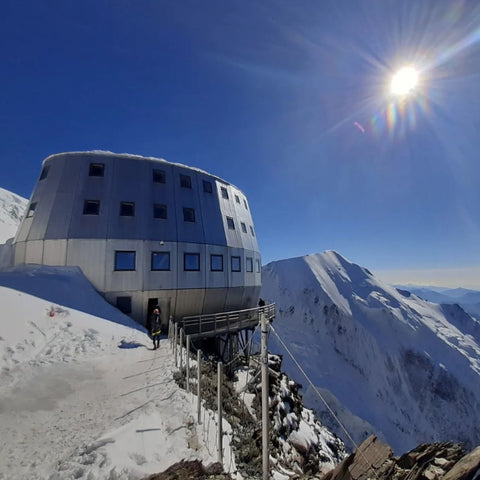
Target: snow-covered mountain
[(387, 361), (12, 209)]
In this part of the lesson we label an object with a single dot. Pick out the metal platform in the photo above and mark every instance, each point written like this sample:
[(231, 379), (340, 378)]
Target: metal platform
[(217, 324)]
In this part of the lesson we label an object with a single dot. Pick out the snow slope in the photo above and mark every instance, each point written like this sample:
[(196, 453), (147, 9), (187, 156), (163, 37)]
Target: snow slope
[(388, 361), (12, 209), (83, 396)]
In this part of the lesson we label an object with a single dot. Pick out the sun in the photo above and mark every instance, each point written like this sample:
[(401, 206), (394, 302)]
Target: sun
[(404, 81)]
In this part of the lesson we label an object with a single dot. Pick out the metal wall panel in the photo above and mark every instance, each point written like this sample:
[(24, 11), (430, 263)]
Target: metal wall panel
[(34, 252), (123, 280), (19, 255), (216, 279), (234, 237), (90, 256), (234, 299), (159, 279), (189, 302), (214, 300), (211, 213), (24, 228), (249, 242), (55, 252), (236, 279), (190, 279)]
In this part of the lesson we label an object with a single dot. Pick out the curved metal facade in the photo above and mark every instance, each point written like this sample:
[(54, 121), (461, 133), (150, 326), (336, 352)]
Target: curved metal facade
[(144, 230)]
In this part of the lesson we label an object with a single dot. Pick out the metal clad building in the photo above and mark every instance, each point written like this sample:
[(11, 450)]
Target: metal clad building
[(144, 231)]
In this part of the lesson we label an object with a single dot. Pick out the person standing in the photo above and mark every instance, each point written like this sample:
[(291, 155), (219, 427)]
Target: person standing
[(156, 327)]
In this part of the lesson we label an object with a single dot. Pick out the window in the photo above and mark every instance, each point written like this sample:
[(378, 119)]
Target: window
[(207, 186), (216, 263), (245, 203), (44, 172), (235, 264), (160, 261), (31, 209), (251, 231), (91, 207), (96, 170), (191, 262), (230, 223), (127, 209), (244, 228), (188, 214), (249, 264), (224, 192), (257, 263), (159, 211), (124, 260), (237, 199), (185, 181), (158, 175), (124, 304)]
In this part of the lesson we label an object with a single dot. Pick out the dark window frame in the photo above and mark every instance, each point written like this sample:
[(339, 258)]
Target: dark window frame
[(252, 231), (162, 253), (259, 267), (159, 208), (124, 209), (230, 223), (192, 255), (118, 253), (237, 198), (207, 186), (186, 212), (96, 169), (159, 176), (87, 210), (44, 172), (244, 227), (224, 192), (31, 210), (124, 304), (185, 181), (245, 203), (249, 264), (236, 258), (212, 256)]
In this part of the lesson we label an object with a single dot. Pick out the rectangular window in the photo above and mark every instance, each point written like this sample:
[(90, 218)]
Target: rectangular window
[(185, 181), (158, 175), (188, 215), (91, 207), (191, 262), (124, 304), (216, 263), (160, 261), (207, 186), (237, 199), (224, 192), (31, 209), (249, 264), (230, 223), (245, 203), (44, 173), (127, 209), (96, 170), (159, 211), (257, 263), (251, 231), (244, 228), (124, 260), (236, 264)]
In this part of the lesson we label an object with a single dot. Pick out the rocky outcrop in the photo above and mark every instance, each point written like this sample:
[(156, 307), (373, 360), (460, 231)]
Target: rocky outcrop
[(436, 461)]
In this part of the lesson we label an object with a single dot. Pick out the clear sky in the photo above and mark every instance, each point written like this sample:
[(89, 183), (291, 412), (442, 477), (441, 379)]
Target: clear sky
[(288, 100)]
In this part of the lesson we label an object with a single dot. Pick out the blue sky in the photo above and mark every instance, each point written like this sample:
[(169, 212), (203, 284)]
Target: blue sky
[(288, 100)]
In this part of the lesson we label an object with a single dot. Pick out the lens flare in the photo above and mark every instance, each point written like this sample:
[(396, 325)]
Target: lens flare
[(404, 81)]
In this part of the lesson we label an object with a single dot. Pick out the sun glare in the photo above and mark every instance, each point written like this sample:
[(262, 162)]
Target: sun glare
[(404, 81)]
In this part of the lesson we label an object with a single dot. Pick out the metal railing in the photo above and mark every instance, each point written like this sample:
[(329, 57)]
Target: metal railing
[(213, 324)]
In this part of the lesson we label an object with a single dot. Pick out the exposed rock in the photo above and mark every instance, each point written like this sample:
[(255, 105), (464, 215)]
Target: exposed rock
[(468, 468), (193, 469)]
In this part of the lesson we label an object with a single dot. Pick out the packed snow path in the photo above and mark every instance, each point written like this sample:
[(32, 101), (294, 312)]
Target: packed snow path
[(73, 404)]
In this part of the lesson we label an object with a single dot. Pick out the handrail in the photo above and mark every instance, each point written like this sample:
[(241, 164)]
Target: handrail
[(211, 324)]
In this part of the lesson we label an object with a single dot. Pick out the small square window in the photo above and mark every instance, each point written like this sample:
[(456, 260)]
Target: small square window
[(257, 263), (127, 209), (191, 262), (160, 261), (237, 199), (31, 209), (185, 181), (224, 192), (249, 264), (91, 207), (230, 223), (244, 228), (96, 170), (188, 215), (124, 260), (44, 173), (159, 211), (216, 263), (124, 304), (158, 175), (236, 264), (207, 186), (245, 203), (251, 231)]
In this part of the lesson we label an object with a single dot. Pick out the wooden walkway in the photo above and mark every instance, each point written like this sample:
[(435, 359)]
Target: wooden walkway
[(216, 324)]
